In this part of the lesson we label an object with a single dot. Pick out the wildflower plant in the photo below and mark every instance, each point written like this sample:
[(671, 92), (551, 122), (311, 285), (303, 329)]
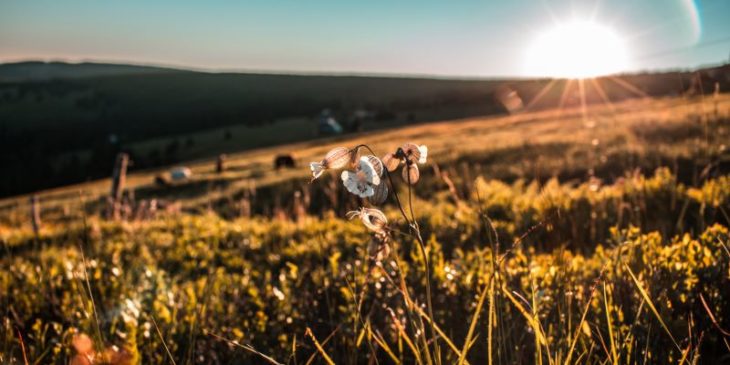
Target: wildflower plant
[(368, 177)]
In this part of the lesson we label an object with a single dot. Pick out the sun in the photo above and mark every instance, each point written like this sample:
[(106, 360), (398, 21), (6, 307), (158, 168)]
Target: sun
[(579, 49)]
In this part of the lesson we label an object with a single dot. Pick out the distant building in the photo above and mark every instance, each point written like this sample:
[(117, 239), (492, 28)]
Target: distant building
[(509, 98), (357, 119), (180, 174), (328, 125)]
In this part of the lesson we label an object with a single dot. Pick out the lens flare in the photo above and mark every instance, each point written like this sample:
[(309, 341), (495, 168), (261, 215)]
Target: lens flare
[(577, 49), (693, 13)]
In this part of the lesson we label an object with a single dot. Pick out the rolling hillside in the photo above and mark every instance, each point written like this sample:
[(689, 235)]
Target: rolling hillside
[(604, 142), (64, 123)]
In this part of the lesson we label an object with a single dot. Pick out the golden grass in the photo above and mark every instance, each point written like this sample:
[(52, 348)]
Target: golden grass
[(265, 282), (447, 140)]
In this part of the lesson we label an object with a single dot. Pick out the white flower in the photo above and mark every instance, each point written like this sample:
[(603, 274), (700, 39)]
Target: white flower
[(373, 219), (317, 169), (363, 180), (424, 152)]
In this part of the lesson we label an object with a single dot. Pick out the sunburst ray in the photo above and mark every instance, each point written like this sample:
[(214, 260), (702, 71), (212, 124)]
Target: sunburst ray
[(540, 94)]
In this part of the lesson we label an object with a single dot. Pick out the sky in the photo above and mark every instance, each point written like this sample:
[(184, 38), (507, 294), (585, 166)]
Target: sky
[(471, 38)]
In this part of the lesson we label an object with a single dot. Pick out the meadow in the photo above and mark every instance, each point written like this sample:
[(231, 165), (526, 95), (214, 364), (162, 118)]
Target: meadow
[(63, 123), (576, 236)]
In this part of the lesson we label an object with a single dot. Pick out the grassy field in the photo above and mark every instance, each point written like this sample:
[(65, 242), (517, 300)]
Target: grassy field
[(595, 235), (64, 123)]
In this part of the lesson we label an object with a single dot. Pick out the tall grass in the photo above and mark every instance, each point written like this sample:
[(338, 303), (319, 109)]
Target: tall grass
[(520, 273)]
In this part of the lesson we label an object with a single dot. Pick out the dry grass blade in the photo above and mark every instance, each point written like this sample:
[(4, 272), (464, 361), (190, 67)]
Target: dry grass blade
[(685, 353), (440, 333), (603, 345), (326, 357), (385, 347), (247, 348), (653, 308), (530, 319), (724, 246), (402, 333), (534, 313), (578, 329), (362, 334), (611, 337), (472, 326), (159, 333), (490, 323), (329, 337), (22, 347), (293, 351), (577, 361), (99, 335), (712, 317)]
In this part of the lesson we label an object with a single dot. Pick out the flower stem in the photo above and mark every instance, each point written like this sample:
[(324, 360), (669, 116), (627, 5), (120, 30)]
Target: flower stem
[(415, 232), (427, 266)]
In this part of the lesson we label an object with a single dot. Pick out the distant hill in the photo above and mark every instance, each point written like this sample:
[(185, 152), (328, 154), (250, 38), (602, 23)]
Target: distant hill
[(84, 103), (39, 70), (62, 123)]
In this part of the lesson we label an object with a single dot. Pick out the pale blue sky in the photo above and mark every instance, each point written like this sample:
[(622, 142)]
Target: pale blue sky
[(460, 37)]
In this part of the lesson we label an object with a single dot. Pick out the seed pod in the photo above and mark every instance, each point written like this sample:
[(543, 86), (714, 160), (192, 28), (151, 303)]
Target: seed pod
[(411, 174), (391, 162), (412, 152), (381, 193), (337, 158), (377, 164)]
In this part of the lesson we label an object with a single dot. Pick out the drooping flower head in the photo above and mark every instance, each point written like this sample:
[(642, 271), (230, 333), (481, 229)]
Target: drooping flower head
[(414, 153), (336, 158), (373, 219), (363, 180), (409, 154)]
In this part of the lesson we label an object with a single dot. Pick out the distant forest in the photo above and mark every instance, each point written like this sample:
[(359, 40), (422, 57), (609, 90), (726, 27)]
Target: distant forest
[(64, 123)]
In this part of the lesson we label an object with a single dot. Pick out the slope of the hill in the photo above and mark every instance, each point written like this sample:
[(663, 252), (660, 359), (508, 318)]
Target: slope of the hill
[(62, 123), (685, 134)]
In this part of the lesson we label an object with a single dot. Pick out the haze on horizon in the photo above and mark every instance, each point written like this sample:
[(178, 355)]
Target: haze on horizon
[(469, 38)]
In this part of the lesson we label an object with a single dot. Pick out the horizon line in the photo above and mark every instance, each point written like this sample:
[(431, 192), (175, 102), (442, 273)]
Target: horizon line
[(394, 75)]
